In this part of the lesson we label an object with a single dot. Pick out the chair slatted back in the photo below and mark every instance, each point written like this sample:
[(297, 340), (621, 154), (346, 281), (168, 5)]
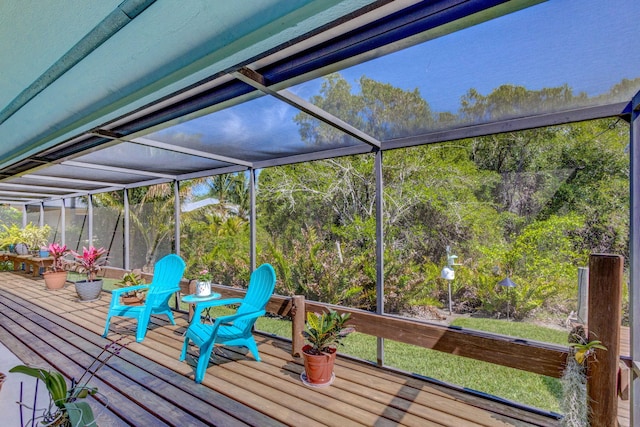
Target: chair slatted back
[(261, 285), (167, 274)]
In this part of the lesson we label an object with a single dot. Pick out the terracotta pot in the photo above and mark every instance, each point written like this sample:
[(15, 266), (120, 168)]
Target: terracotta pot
[(54, 280), (131, 300), (318, 369), (89, 291)]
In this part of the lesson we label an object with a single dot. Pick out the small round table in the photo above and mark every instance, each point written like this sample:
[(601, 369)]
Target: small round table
[(194, 299)]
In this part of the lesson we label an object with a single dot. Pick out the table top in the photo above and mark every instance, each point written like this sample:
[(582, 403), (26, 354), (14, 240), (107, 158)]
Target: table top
[(193, 298)]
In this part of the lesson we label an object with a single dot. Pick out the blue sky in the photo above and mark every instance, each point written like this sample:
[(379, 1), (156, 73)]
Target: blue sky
[(541, 46), (512, 50)]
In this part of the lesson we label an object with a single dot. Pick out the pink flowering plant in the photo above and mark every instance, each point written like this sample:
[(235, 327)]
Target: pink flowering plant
[(204, 275), (91, 260), (57, 251)]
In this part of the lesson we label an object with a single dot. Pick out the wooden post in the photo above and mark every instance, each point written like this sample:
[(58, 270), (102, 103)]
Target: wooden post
[(297, 325), (604, 316)]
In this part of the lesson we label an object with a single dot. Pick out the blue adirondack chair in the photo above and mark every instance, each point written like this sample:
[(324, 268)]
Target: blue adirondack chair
[(234, 329), (167, 273)]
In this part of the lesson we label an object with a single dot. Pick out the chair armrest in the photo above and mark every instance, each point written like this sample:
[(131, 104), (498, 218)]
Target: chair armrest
[(197, 312), (218, 302), (229, 319), (117, 292), (233, 317)]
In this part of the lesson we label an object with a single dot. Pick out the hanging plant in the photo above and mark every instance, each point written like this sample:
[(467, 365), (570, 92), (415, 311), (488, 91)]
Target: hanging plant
[(574, 403)]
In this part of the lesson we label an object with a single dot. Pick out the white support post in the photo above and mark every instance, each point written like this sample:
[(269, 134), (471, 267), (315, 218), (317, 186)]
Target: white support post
[(379, 248), (126, 230), (252, 218), (90, 218), (634, 252), (63, 223), (176, 211)]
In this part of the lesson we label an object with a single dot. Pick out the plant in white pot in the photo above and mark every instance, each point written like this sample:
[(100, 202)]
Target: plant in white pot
[(90, 261), (56, 276), (203, 283), (323, 333)]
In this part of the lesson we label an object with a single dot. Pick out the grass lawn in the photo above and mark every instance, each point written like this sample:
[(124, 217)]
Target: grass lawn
[(513, 384)]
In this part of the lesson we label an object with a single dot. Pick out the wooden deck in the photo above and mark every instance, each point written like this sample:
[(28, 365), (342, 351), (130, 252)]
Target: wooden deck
[(147, 384)]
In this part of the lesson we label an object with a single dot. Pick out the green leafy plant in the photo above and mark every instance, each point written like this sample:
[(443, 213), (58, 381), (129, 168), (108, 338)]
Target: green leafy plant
[(205, 275), (32, 235), (35, 237), (132, 279), (324, 332), (11, 235), (582, 351), (65, 405)]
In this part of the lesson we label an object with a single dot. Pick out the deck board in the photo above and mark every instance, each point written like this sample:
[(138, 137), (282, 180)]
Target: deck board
[(147, 384)]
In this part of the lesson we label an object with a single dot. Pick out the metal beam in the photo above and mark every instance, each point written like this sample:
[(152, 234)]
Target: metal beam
[(510, 125), (256, 80), (24, 194), (168, 147), (39, 187), (183, 150), (212, 172), (315, 155), (18, 202), (117, 169), (73, 180)]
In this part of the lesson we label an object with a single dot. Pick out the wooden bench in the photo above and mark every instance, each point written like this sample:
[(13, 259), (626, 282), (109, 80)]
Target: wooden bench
[(36, 263), (18, 260)]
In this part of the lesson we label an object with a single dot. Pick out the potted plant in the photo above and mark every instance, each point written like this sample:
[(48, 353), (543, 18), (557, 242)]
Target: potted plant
[(56, 276), (323, 333), (203, 283), (35, 237), (10, 237), (132, 297), (90, 261), (66, 408)]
